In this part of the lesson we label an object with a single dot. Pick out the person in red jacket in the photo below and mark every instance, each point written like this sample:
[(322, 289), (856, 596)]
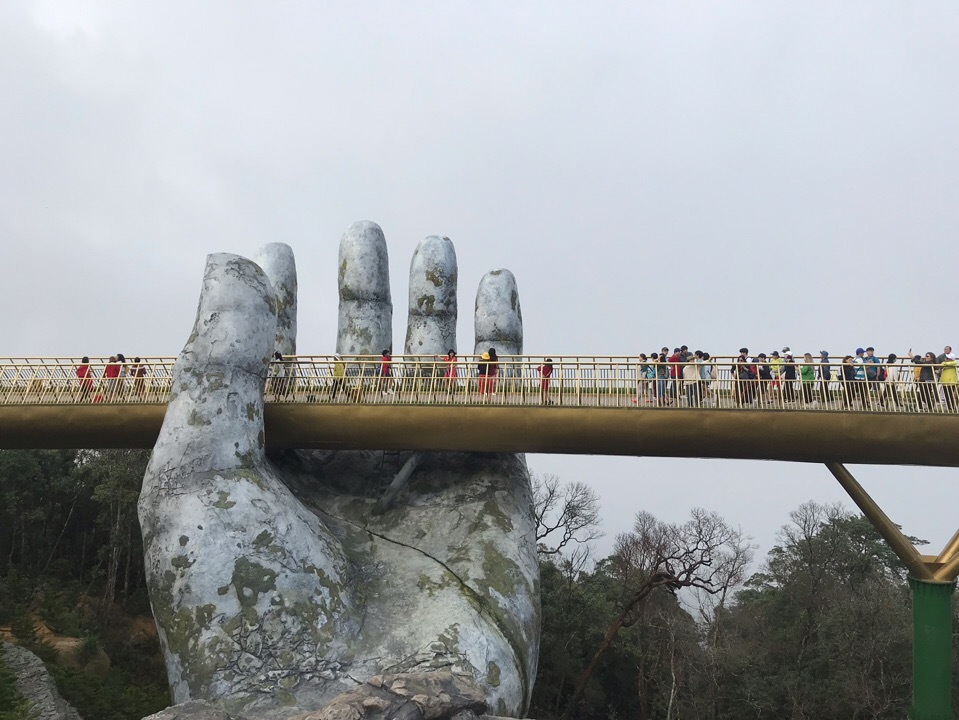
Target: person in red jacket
[(85, 378), (449, 373), (386, 373), (675, 373), (545, 373), (111, 374)]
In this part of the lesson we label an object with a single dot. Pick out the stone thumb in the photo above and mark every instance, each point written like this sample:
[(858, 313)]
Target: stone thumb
[(214, 420)]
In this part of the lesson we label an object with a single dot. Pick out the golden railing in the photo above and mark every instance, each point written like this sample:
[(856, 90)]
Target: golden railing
[(579, 381)]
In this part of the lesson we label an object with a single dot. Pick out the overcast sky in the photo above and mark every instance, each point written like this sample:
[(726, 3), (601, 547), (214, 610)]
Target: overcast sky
[(714, 174)]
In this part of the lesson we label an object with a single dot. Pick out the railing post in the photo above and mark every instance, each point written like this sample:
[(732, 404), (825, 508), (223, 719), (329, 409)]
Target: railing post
[(931, 649), (579, 383)]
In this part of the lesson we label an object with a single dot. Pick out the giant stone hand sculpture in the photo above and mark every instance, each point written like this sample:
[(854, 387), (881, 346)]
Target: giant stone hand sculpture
[(272, 582)]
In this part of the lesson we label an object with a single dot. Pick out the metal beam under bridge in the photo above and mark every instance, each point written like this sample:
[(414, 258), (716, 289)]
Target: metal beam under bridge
[(808, 436)]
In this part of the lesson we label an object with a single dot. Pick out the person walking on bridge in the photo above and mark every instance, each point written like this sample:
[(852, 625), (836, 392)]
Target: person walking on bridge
[(111, 378), (386, 373), (662, 379), (927, 394), (545, 373), (948, 381), (848, 379), (776, 371), (870, 361), (339, 376), (807, 379), (825, 376), (859, 388), (642, 379), (691, 381), (449, 372), (789, 376), (675, 373), (138, 371), (486, 372), (889, 388), (85, 378), (766, 379), (746, 374)]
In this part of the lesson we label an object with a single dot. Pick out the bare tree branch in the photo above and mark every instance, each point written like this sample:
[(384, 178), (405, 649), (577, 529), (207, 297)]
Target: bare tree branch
[(565, 514)]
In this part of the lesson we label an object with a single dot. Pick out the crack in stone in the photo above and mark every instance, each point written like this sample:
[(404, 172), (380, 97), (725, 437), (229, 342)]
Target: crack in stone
[(482, 603)]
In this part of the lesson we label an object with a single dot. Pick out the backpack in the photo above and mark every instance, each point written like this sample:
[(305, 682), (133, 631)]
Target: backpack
[(881, 373)]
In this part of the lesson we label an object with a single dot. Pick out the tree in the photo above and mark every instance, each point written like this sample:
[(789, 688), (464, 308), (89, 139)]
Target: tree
[(823, 630), (118, 476), (703, 553)]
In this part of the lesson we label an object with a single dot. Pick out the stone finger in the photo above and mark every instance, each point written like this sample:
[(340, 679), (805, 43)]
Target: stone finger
[(498, 316), (431, 324), (278, 263), (365, 324)]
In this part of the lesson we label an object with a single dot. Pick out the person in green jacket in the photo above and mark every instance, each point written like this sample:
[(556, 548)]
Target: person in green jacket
[(807, 378)]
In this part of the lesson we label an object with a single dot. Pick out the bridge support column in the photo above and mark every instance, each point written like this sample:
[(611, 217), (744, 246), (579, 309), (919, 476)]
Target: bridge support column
[(931, 649), (932, 582)]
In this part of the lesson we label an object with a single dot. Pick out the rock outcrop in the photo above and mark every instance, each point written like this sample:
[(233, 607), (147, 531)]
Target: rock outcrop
[(35, 685)]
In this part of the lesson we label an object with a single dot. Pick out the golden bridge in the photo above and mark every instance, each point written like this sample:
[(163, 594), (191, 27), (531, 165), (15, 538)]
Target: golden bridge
[(588, 405)]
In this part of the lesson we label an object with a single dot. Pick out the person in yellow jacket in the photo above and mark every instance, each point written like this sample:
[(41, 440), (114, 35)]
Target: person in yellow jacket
[(339, 376), (948, 381), (776, 369)]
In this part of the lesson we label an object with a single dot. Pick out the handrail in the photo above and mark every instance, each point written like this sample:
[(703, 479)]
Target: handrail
[(575, 381)]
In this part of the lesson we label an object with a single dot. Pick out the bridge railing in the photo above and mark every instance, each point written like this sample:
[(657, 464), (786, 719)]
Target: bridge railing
[(580, 381)]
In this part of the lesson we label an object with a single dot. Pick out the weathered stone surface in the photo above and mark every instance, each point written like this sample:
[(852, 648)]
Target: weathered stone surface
[(414, 696), (366, 310), (498, 316), (193, 710), (449, 575), (35, 685), (273, 584), (246, 584), (431, 327), (277, 261)]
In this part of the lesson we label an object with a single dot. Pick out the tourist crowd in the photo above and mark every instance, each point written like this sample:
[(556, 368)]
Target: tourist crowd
[(780, 378), (678, 378)]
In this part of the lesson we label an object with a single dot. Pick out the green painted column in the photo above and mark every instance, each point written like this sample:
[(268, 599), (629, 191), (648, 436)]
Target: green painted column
[(931, 650)]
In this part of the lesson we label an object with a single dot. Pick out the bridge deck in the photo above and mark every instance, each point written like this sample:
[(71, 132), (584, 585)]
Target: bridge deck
[(589, 407)]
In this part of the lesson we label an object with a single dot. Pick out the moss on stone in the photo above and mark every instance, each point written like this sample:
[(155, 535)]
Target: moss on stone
[(223, 501), (182, 562), (492, 674), (501, 573), (426, 303), (492, 512), (196, 418), (430, 586), (263, 539), (251, 580)]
